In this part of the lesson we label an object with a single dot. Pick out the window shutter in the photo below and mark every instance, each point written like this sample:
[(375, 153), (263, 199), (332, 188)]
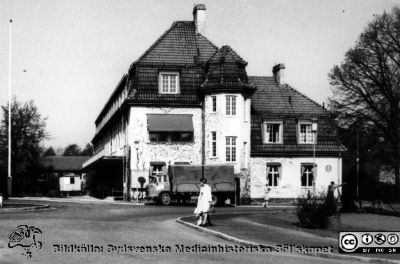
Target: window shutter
[(315, 169), (303, 168), (263, 131), (280, 172), (268, 171)]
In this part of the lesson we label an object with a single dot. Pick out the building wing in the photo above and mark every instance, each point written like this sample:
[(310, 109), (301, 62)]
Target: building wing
[(273, 102)]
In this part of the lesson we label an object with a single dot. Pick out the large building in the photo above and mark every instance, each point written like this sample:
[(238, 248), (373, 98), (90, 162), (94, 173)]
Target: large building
[(187, 100)]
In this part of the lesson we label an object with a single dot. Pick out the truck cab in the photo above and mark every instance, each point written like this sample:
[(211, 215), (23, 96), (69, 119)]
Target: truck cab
[(158, 179)]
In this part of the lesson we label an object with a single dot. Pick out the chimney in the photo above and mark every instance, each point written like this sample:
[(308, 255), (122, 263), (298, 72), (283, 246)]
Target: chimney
[(199, 18), (279, 73)]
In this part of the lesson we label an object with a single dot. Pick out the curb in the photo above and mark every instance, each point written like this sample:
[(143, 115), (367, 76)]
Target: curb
[(28, 208), (270, 206), (76, 201), (250, 243)]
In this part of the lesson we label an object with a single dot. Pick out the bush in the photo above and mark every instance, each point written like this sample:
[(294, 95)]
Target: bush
[(313, 212)]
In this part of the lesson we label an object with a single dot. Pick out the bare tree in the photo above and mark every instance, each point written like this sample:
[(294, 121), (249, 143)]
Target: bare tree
[(366, 85)]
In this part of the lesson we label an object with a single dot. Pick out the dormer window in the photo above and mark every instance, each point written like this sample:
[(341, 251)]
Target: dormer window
[(273, 132), (168, 83), (306, 135)]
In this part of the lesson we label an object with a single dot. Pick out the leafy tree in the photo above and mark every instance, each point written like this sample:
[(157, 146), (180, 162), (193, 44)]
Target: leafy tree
[(366, 86), (72, 150), (59, 151), (49, 152), (87, 151), (28, 130)]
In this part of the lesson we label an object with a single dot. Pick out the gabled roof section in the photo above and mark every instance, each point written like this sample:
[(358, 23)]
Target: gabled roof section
[(282, 100), (179, 45), (64, 163)]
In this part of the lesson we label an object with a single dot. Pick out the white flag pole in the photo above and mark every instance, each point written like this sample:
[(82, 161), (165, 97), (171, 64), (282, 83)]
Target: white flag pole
[(9, 179)]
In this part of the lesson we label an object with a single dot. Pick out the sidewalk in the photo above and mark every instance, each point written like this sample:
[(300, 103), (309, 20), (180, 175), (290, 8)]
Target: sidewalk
[(242, 227)]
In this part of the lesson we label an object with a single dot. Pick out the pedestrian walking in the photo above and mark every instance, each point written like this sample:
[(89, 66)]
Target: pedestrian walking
[(331, 202), (266, 195), (202, 210)]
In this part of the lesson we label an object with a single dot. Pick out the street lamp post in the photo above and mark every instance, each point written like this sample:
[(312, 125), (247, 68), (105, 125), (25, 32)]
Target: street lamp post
[(314, 128), (136, 142), (9, 177)]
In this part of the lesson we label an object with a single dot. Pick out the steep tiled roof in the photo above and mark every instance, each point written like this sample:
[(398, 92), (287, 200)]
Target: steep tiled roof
[(227, 54), (271, 98), (144, 87), (226, 72), (281, 102), (179, 49), (179, 45), (64, 163)]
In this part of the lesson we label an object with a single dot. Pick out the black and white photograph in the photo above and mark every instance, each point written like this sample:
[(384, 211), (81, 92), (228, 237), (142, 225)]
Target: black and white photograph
[(207, 131)]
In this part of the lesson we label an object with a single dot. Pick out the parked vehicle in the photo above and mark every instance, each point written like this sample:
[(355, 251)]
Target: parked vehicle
[(182, 182)]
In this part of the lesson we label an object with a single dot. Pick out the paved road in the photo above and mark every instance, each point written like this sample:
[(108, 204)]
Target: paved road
[(108, 224)]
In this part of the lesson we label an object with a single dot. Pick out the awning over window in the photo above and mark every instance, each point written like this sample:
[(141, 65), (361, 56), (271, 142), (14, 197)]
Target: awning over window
[(168, 123)]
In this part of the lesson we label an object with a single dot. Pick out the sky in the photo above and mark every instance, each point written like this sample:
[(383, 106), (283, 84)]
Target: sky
[(68, 56)]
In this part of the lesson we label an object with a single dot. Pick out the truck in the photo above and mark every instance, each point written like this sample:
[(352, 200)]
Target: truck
[(181, 182)]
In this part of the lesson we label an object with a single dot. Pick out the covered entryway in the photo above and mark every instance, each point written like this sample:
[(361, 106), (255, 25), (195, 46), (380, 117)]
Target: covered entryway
[(107, 179)]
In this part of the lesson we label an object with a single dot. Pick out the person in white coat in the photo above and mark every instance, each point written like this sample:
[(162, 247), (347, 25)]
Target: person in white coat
[(203, 203), (266, 195)]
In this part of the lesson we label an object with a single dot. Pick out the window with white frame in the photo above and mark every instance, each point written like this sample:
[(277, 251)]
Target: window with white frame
[(230, 105), (213, 144), (214, 103), (231, 149), (273, 132), (305, 133), (307, 175), (169, 82), (273, 174)]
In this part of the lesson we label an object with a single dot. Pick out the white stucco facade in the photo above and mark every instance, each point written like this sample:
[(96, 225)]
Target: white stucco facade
[(143, 151), (181, 74), (237, 126), (289, 184)]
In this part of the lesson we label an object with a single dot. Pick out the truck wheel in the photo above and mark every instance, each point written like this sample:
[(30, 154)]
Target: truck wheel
[(214, 200), (165, 198)]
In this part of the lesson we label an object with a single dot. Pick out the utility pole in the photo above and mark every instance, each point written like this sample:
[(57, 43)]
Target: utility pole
[(358, 167)]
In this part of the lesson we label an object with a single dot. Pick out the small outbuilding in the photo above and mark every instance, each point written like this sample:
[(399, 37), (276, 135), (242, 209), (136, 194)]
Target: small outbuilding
[(64, 174)]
